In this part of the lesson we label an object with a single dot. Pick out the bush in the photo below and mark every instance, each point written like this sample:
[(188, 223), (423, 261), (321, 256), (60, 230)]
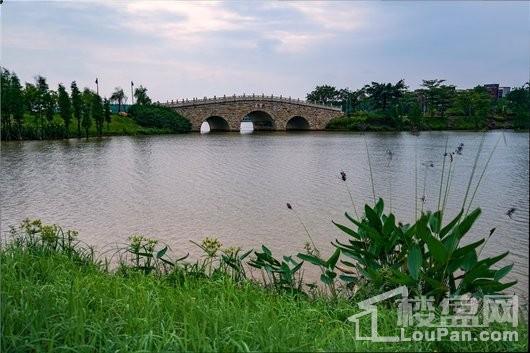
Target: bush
[(360, 121), (159, 117), (427, 257)]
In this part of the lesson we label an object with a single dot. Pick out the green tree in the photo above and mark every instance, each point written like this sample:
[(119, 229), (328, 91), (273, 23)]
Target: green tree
[(97, 113), (324, 94), (430, 93), (437, 96), (350, 100), (30, 99), (519, 106), (409, 107), (86, 119), (475, 104), (119, 97), (106, 108), (77, 105), (42, 102), (6, 103), (141, 96), (65, 108), (385, 95), (50, 104), (445, 97), (17, 103)]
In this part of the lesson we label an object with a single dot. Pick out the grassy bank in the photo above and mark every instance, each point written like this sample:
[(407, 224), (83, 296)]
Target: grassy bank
[(119, 125), (53, 302), (56, 295), (364, 121)]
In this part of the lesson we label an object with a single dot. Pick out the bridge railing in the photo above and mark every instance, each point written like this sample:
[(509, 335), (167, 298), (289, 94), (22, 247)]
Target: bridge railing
[(185, 102)]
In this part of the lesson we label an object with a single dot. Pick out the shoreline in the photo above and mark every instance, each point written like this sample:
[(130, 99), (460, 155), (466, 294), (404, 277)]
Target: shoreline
[(273, 132)]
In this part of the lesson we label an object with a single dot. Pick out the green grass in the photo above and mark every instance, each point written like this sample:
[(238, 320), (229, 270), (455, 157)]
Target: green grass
[(119, 125), (51, 302)]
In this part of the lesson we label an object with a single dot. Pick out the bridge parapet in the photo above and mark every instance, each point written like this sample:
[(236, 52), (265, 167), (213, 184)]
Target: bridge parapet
[(237, 98)]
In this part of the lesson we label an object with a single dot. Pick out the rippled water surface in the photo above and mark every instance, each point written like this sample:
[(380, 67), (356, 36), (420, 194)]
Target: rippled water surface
[(235, 187)]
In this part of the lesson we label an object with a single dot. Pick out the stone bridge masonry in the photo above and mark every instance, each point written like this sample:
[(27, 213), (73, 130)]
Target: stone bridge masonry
[(266, 112)]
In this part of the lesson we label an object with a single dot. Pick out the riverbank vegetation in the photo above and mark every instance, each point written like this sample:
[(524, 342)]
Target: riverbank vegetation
[(435, 106), (37, 112), (57, 295)]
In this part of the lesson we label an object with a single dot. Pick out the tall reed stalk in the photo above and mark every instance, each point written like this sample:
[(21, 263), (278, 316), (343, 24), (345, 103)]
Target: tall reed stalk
[(305, 228), (344, 179), (442, 177), (415, 182), (475, 162), (370, 168), (482, 175)]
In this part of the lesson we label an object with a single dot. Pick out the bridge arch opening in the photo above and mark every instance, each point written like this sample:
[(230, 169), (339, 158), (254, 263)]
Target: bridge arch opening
[(297, 123), (257, 120), (215, 123)]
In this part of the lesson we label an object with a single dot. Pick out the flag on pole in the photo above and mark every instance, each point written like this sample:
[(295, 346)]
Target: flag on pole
[(132, 83), (96, 80)]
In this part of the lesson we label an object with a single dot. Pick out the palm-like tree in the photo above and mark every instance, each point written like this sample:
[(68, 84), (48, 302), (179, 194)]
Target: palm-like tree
[(141, 96), (383, 94), (118, 96)]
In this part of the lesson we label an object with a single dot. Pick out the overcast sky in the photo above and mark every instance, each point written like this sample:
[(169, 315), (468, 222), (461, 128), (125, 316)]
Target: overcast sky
[(184, 49)]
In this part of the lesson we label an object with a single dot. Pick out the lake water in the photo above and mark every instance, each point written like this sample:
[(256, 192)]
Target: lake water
[(235, 187)]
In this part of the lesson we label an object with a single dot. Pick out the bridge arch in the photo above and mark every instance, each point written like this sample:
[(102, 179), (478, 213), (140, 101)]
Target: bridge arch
[(217, 123), (261, 120), (297, 123)]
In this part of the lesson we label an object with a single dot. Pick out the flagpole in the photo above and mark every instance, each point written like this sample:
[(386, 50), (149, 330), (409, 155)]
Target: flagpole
[(132, 93), (97, 86)]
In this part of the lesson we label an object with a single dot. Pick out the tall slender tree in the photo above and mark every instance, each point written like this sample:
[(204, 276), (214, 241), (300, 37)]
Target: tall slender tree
[(106, 108), (5, 91), (50, 100), (86, 120), (17, 103), (97, 113), (65, 108), (42, 102), (77, 105)]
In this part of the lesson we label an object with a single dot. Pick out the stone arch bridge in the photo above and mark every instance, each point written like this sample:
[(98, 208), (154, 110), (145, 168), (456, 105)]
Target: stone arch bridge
[(266, 112)]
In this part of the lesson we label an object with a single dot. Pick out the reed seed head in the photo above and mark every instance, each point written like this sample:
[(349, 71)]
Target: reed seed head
[(510, 212), (289, 206), (459, 148), (343, 175)]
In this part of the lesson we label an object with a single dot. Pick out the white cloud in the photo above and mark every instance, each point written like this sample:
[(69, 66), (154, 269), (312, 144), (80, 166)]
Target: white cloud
[(331, 15), (192, 25), (179, 22), (291, 43)]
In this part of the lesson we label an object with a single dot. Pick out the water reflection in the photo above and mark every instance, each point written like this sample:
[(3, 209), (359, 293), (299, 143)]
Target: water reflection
[(247, 127)]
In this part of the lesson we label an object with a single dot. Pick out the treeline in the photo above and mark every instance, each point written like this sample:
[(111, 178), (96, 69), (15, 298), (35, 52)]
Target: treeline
[(35, 111), (434, 105)]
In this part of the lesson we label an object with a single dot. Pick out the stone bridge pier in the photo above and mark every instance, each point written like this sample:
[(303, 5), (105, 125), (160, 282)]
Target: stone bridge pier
[(266, 113)]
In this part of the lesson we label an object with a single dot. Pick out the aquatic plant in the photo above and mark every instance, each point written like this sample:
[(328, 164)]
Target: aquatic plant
[(426, 256), (282, 275), (148, 256)]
